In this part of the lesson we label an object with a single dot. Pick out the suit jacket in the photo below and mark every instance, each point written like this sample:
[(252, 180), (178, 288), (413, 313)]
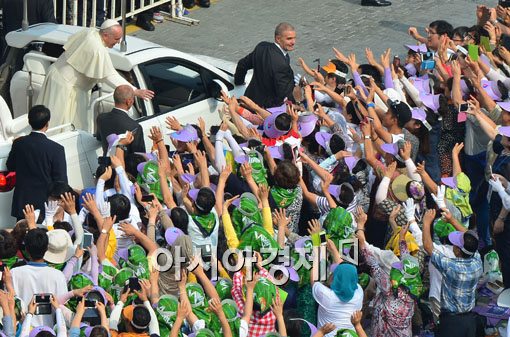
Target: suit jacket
[(37, 161), (118, 121), (273, 78), (38, 11)]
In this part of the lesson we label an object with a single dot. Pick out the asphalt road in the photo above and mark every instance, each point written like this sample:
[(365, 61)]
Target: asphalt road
[(229, 29)]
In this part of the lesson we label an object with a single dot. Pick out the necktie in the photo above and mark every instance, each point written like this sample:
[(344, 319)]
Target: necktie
[(287, 57)]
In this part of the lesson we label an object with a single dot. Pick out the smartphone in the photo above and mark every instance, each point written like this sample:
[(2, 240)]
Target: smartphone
[(104, 161), (206, 253), (43, 304), (134, 284), (347, 90), (427, 56), (42, 298), (396, 61), (88, 239), (505, 41), (147, 198), (504, 3), (323, 238), (463, 107), (295, 152), (90, 303)]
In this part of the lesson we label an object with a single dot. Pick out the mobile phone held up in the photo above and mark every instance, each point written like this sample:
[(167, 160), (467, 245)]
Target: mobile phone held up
[(88, 240), (104, 161), (43, 304), (504, 3), (147, 198), (133, 284)]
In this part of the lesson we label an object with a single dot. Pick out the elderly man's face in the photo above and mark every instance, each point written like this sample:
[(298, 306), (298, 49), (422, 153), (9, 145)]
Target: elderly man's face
[(113, 37), (286, 40)]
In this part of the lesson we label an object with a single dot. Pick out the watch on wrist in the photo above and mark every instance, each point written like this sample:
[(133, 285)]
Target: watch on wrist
[(104, 231), (122, 147)]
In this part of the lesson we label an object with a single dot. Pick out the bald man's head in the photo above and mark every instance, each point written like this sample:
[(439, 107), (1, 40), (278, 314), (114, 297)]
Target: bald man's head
[(123, 95)]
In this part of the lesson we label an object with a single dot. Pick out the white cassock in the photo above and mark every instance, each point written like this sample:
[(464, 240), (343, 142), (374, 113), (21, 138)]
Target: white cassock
[(67, 87)]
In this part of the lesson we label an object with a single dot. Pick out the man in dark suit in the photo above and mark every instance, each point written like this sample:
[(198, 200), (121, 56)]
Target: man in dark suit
[(37, 161), (118, 121), (273, 78)]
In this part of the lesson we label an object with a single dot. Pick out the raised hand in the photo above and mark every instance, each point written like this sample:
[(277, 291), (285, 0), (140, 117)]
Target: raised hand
[(439, 198)]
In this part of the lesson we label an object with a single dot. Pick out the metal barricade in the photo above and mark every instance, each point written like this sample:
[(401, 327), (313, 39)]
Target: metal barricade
[(78, 12)]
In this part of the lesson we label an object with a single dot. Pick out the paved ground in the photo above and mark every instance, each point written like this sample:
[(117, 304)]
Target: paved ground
[(229, 29)]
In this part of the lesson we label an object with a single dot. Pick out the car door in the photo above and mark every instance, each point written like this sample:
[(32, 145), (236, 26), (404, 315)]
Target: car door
[(181, 89)]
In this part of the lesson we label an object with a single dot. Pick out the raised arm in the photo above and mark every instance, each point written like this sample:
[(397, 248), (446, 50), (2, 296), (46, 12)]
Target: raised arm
[(428, 218)]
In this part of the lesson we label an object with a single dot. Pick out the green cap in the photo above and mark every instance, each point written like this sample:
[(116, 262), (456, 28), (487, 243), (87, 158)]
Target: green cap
[(196, 294), (224, 288)]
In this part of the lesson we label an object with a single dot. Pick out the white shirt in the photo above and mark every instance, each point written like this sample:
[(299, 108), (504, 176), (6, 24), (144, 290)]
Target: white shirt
[(283, 51), (435, 276), (332, 310), (36, 279)]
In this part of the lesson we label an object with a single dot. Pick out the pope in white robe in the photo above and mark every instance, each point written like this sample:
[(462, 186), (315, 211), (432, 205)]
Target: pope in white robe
[(85, 62)]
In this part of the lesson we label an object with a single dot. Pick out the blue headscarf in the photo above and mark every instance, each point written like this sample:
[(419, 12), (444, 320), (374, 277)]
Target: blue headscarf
[(345, 281)]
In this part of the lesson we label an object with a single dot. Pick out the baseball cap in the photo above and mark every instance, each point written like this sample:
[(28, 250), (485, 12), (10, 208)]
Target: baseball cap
[(457, 239)]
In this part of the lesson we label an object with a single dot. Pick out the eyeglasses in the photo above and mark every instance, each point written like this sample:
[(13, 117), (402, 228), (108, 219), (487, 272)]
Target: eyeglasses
[(430, 32)]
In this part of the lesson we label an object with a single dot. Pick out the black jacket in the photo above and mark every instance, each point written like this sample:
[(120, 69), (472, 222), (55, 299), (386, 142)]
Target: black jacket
[(38, 11), (273, 78), (37, 161), (118, 121)]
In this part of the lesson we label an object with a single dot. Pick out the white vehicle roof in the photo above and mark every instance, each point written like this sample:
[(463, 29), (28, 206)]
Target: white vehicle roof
[(138, 50)]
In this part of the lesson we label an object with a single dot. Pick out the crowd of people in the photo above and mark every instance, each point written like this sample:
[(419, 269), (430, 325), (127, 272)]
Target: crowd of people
[(349, 200)]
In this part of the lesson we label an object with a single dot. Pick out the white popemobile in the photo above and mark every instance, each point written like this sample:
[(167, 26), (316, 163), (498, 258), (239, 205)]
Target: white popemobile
[(185, 86)]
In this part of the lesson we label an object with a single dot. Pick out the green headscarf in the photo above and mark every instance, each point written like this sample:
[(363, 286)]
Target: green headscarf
[(224, 288), (284, 197), (338, 224), (78, 281), (105, 277), (10, 261), (346, 333), (205, 223), (258, 171), (137, 261), (257, 238), (264, 294), (166, 312), (364, 280), (149, 179), (247, 213), (460, 195), (443, 228), (230, 310), (120, 280), (196, 294), (407, 274)]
